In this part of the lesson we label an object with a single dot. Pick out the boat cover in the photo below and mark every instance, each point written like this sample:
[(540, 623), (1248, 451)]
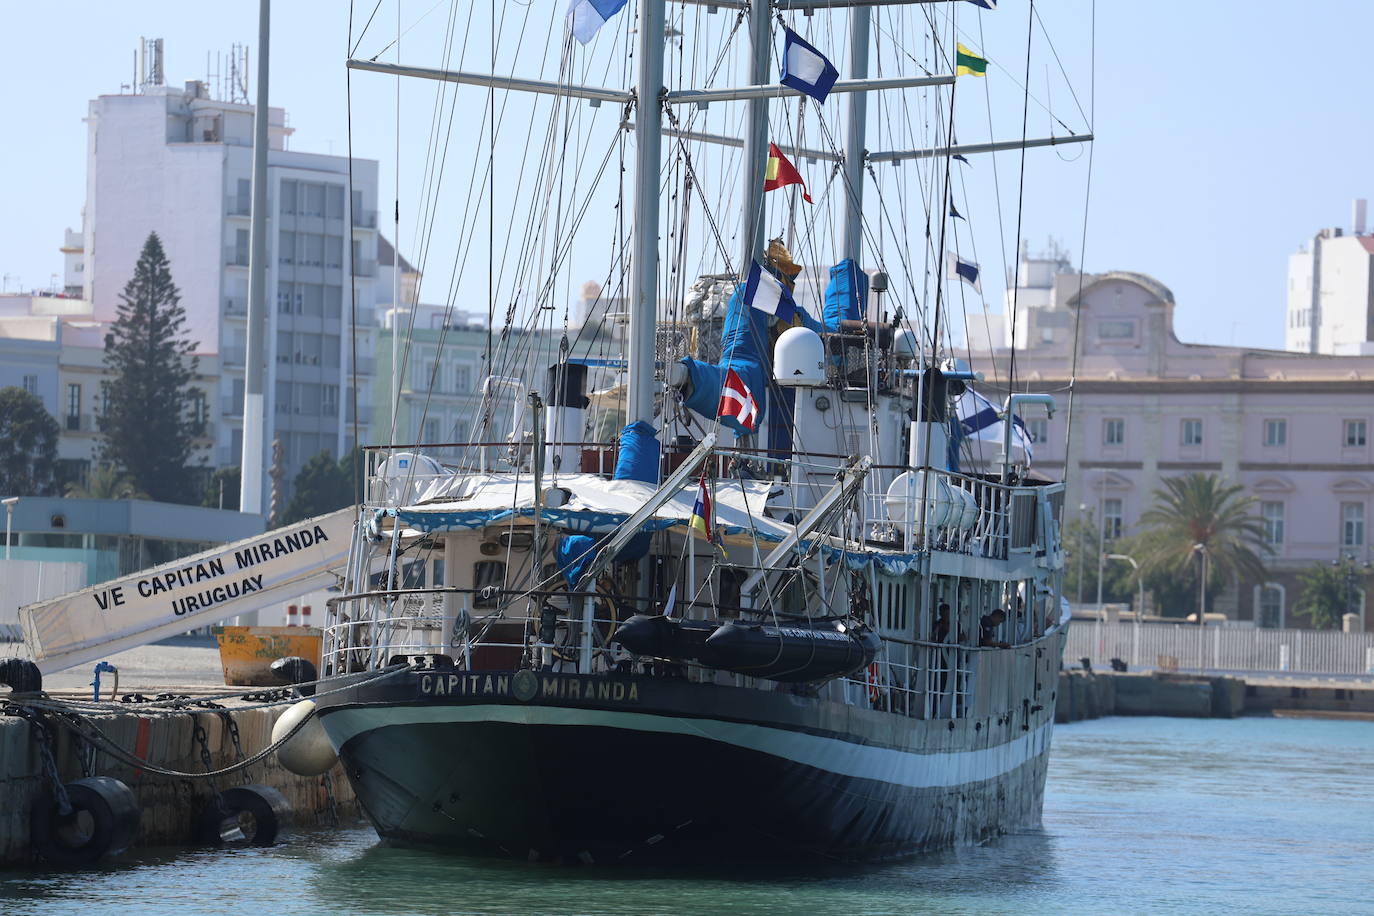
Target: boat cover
[(595, 506), (847, 294)]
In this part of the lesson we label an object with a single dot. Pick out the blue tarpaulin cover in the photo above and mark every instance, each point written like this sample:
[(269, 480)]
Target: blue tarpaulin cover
[(846, 297)]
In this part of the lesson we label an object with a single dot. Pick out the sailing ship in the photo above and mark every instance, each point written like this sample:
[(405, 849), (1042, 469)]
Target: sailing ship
[(772, 618)]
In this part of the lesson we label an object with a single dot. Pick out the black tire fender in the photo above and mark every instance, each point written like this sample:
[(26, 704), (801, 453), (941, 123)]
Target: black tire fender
[(253, 815), (103, 821), (20, 675)]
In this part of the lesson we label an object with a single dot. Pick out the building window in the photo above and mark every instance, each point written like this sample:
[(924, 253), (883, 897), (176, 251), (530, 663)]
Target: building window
[(286, 247), (73, 406), (1113, 431), (102, 398), (1191, 432), (1116, 330), (1270, 614), (31, 384), (329, 400), (1275, 432), (1111, 519), (462, 379), (1352, 524), (431, 433), (1354, 433), (288, 196), (1038, 430), (1272, 513)]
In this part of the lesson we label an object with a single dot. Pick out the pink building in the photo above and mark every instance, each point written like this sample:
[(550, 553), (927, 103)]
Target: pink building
[(1293, 428)]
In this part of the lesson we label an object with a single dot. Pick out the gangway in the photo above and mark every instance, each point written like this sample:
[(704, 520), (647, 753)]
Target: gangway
[(195, 591)]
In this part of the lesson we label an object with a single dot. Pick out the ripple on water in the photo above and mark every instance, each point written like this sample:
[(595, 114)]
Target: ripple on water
[(1142, 815)]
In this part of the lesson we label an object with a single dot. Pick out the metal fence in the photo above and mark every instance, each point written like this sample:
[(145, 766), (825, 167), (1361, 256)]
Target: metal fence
[(1186, 646)]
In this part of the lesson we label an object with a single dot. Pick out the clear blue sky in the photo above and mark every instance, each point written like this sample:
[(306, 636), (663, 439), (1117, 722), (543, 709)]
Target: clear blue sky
[(1228, 132)]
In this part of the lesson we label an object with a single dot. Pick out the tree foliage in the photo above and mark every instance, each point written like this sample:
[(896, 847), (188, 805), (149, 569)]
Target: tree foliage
[(1083, 544), (1200, 509), (148, 426), (1329, 592), (222, 490), (28, 446), (105, 481), (322, 486)]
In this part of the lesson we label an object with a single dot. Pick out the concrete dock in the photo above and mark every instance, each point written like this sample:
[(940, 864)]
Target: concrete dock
[(1091, 694), (171, 808)]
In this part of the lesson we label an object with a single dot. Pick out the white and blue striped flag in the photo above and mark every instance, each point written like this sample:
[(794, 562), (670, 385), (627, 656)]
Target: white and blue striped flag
[(980, 419), (590, 15), (965, 270), (765, 292)]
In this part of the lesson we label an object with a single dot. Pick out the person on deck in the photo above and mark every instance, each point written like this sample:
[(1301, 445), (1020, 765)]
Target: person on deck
[(988, 626)]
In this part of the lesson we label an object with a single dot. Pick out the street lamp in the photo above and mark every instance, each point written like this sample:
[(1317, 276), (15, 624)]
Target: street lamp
[(1201, 607), (1082, 511), (9, 505), (1140, 582)]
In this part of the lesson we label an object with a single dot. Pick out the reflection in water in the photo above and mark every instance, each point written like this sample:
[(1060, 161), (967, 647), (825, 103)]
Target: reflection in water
[(1141, 815)]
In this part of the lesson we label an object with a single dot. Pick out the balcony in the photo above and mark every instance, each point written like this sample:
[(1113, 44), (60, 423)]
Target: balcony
[(365, 219), (365, 365), (233, 356), (80, 423), (236, 306), (237, 206), (365, 268), (236, 257), (229, 407)]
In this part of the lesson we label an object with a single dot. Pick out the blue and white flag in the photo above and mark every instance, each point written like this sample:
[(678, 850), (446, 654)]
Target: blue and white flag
[(985, 4), (805, 69), (765, 292), (965, 270), (980, 419), (590, 15)]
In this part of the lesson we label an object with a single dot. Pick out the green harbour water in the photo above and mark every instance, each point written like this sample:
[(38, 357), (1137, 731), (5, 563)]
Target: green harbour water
[(1142, 815)]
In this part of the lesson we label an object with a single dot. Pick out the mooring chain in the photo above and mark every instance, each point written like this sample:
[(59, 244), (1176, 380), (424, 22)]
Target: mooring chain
[(232, 728), (42, 731)]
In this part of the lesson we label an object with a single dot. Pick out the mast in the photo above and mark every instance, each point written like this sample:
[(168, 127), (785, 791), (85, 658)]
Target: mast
[(644, 268), (255, 359), (755, 135), (859, 22)]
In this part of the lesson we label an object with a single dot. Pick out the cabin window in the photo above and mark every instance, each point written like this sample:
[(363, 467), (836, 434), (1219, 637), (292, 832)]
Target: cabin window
[(488, 574)]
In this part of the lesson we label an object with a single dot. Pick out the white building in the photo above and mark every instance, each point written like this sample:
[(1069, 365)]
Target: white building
[(179, 163), (1330, 296)]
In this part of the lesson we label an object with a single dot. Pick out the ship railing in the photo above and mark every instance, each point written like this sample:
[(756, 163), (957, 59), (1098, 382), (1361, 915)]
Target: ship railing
[(476, 628)]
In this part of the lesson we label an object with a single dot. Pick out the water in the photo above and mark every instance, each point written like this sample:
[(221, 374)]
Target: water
[(1141, 816)]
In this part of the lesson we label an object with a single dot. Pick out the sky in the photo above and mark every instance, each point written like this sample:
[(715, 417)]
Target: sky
[(1227, 132)]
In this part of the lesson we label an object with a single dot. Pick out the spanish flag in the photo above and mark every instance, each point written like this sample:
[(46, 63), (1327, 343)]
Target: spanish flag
[(701, 512), (965, 61), (781, 172)]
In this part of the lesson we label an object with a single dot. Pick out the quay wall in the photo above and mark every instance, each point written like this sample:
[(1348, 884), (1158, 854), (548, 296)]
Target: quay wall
[(171, 807), (1090, 694)]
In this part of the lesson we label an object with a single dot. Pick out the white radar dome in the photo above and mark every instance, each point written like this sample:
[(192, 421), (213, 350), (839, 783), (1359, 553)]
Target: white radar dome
[(905, 344), (799, 358)]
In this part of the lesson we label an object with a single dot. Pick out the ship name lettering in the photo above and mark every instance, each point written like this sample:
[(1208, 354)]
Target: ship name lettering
[(465, 685)]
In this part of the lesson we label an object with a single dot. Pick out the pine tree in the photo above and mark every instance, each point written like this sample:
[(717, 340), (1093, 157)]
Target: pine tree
[(28, 446), (148, 423)]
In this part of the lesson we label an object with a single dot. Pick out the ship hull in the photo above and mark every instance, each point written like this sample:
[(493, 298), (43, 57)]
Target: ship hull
[(637, 769)]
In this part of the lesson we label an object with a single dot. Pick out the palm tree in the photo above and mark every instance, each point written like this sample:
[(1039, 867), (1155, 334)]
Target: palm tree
[(105, 481), (1199, 512)]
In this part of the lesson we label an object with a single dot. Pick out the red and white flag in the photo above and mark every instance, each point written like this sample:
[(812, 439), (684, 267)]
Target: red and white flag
[(736, 400)]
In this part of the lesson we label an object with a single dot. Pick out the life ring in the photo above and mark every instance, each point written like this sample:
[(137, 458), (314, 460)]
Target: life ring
[(252, 815), (20, 675), (875, 692), (103, 821)]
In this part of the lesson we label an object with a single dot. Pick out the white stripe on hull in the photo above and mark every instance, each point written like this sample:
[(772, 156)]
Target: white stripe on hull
[(902, 768)]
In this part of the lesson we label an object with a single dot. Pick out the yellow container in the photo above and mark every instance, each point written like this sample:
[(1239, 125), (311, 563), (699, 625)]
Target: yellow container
[(247, 653)]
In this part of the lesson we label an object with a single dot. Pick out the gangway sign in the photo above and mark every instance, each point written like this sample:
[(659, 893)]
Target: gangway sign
[(195, 591)]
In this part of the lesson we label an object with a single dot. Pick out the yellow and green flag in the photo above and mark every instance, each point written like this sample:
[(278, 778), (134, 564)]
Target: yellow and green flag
[(965, 61)]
